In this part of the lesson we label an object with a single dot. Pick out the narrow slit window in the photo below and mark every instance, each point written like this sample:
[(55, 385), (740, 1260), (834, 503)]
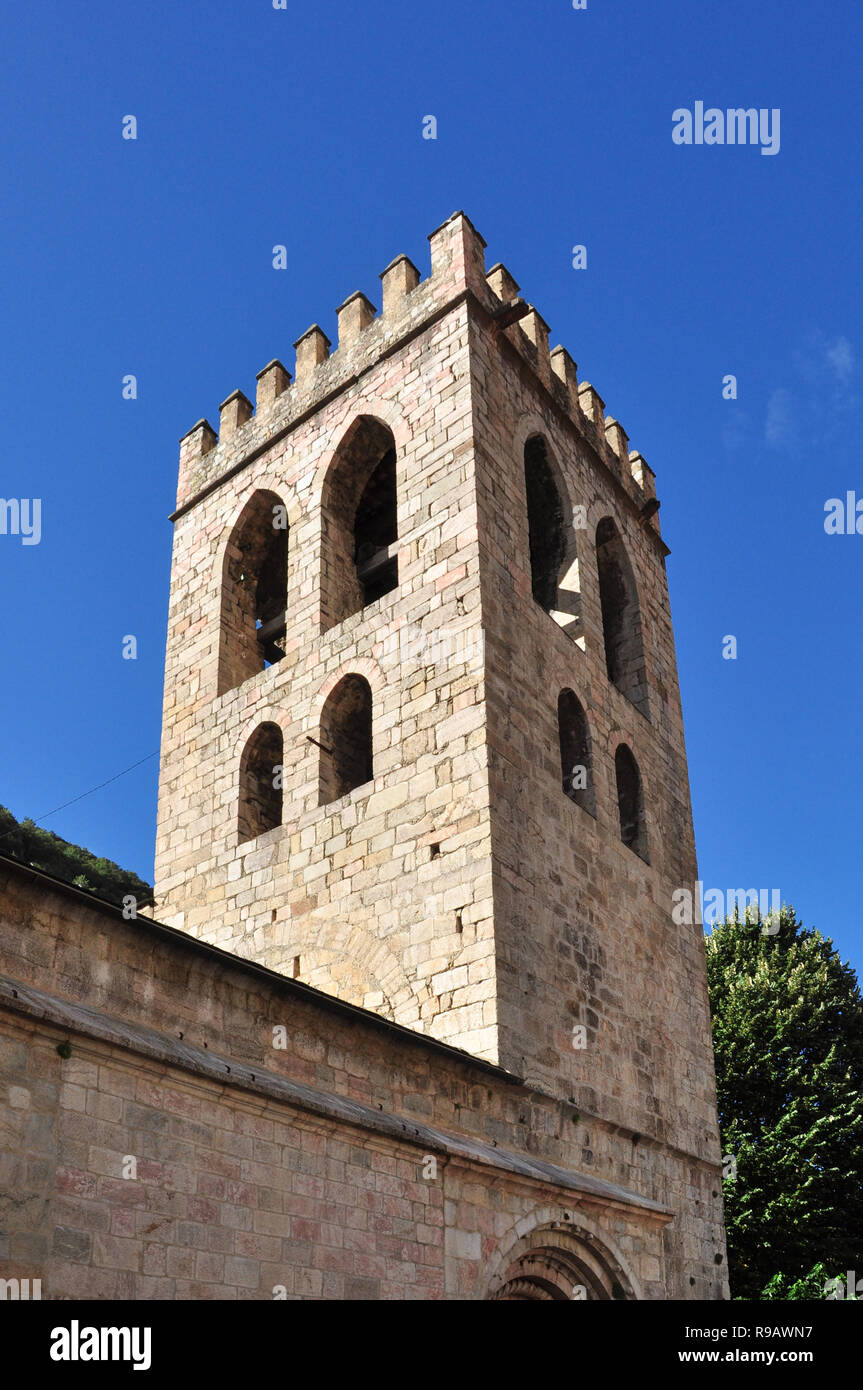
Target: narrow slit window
[(575, 754), (630, 802)]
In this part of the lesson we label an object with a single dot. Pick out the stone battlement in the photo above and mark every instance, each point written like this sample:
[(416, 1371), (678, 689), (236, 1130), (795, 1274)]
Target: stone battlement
[(364, 336)]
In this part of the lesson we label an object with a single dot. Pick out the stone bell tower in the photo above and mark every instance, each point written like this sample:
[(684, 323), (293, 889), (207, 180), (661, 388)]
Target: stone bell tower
[(422, 744)]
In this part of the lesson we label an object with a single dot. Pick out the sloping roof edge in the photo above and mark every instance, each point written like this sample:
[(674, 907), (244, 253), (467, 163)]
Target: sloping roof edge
[(78, 1018)]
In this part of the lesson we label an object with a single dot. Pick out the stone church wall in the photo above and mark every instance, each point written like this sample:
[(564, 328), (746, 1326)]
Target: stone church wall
[(356, 1161)]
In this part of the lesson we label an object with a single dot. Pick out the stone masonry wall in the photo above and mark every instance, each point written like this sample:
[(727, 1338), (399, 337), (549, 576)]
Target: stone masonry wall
[(262, 1171), (583, 925), (352, 896)]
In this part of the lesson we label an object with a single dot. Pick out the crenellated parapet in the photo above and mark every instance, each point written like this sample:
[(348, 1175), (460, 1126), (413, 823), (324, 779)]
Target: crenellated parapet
[(365, 334)]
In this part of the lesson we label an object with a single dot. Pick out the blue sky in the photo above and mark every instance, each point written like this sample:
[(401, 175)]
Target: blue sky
[(303, 126)]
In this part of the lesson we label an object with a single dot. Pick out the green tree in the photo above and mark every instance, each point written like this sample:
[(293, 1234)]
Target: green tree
[(788, 1039), (42, 849), (819, 1283)]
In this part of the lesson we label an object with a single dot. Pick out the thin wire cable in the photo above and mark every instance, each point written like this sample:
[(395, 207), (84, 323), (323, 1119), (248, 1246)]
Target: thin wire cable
[(97, 788)]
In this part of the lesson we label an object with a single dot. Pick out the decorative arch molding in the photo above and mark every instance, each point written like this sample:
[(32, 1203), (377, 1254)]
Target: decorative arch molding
[(547, 1258)]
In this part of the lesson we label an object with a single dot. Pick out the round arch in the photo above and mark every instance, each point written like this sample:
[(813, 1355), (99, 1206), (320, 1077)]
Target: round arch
[(621, 612), (253, 595), (556, 1260), (359, 506), (346, 960)]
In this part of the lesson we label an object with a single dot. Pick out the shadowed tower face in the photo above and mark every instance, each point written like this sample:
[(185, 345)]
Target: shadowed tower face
[(422, 737)]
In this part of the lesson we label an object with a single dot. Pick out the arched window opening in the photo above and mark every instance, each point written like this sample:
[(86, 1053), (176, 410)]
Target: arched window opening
[(346, 739), (553, 554), (575, 756), (261, 774), (545, 520), (254, 592), (630, 802), (376, 530), (621, 616), (360, 523)]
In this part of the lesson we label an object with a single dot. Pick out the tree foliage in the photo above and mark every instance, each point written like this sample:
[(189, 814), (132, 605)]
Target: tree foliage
[(42, 849), (788, 1039), (819, 1283)]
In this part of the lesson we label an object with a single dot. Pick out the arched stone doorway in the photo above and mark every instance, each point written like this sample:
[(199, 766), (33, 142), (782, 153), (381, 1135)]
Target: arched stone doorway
[(557, 1262)]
